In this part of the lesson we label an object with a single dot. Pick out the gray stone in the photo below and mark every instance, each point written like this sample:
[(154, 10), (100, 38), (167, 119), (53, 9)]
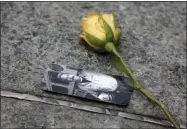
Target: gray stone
[(25, 114), (152, 42)]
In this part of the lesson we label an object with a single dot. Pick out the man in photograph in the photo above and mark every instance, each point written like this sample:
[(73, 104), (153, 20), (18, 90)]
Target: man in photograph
[(100, 86)]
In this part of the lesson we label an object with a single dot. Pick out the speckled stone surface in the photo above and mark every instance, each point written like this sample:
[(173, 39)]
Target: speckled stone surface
[(25, 114), (153, 43)]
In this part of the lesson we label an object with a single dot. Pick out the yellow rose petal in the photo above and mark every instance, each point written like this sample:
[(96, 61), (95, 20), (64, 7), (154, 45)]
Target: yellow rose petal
[(92, 14), (83, 23), (84, 37), (109, 18), (92, 27)]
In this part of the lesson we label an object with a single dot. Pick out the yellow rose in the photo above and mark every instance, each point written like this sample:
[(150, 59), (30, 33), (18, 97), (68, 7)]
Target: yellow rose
[(98, 30)]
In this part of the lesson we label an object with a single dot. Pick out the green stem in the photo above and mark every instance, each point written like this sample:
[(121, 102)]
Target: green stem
[(111, 48)]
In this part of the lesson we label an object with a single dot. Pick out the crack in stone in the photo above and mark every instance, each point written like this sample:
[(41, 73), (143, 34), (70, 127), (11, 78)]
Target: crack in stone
[(88, 108)]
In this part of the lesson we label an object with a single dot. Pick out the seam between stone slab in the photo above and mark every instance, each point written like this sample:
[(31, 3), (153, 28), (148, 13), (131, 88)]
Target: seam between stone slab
[(88, 108)]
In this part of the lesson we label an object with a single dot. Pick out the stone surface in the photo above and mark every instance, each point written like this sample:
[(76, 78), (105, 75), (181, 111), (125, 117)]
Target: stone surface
[(25, 114), (153, 42)]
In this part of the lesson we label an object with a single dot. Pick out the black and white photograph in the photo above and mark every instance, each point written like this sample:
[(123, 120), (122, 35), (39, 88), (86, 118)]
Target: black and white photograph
[(88, 84)]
